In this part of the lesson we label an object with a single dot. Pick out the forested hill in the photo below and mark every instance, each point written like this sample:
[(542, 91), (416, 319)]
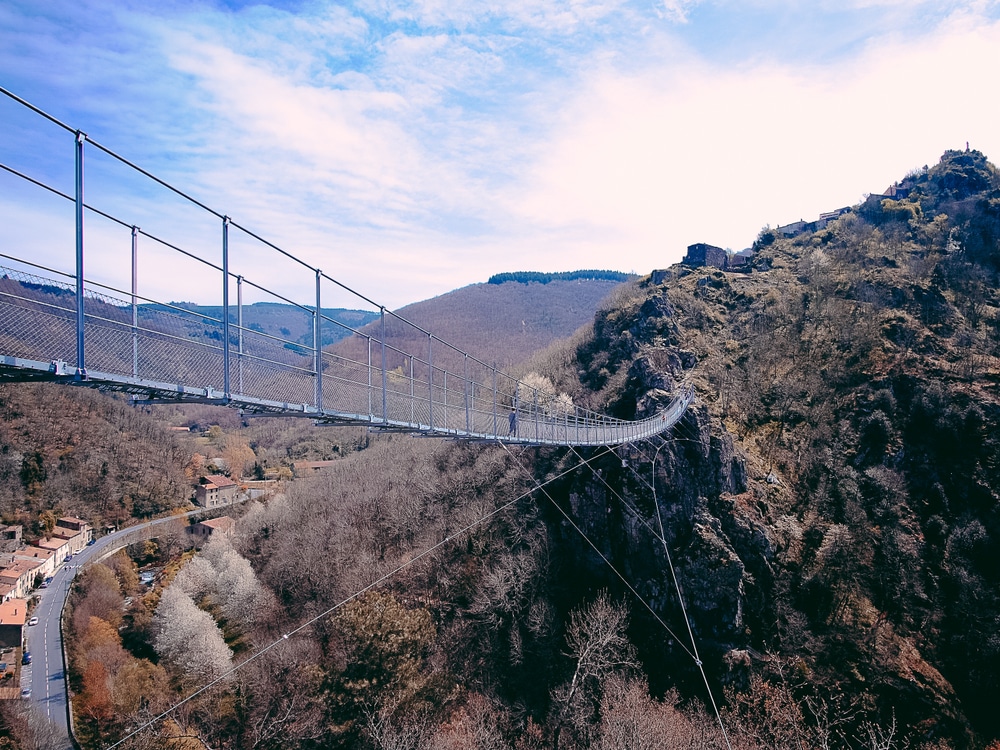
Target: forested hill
[(856, 368), (829, 503), (505, 323), (537, 277), (72, 451)]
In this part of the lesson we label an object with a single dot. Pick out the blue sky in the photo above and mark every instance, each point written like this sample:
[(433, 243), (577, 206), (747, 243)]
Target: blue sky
[(409, 148)]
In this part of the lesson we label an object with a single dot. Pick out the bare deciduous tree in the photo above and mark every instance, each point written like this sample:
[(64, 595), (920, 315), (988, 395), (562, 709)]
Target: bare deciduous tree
[(599, 647), (188, 638)]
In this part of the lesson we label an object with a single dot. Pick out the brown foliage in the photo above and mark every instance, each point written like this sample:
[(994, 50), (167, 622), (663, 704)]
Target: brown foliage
[(97, 594)]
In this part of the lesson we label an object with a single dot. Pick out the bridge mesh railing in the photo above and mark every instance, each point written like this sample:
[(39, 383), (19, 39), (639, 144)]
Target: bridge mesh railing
[(165, 344), (390, 373)]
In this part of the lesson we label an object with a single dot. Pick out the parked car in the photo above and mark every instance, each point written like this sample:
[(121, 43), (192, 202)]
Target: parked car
[(33, 621), (25, 692), (43, 585), (26, 659)]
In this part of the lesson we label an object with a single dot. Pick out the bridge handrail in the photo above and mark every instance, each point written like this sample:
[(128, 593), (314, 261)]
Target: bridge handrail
[(253, 350)]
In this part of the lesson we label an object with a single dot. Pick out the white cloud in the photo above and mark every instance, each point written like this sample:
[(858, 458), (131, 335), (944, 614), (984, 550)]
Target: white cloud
[(677, 10), (673, 156), (541, 15), (411, 148)]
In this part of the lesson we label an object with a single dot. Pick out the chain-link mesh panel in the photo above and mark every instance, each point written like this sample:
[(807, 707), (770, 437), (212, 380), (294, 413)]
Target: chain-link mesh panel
[(171, 345), (36, 331)]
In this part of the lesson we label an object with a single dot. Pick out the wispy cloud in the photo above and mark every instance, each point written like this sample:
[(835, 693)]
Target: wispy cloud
[(422, 145)]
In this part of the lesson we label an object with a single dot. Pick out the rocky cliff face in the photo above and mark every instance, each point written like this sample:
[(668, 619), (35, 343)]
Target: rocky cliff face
[(719, 546), (830, 500)]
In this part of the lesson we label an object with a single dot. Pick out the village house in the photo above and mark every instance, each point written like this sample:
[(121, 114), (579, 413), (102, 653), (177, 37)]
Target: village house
[(69, 536), (10, 538), (47, 557), (74, 532), (58, 547), (202, 530), (20, 574), (216, 490), (12, 618)]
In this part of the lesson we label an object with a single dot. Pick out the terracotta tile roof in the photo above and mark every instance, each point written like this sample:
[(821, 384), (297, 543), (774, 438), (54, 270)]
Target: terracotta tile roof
[(222, 523), (13, 612), (219, 480), (35, 552)]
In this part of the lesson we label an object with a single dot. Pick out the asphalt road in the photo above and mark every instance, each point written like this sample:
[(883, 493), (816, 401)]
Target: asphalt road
[(46, 675)]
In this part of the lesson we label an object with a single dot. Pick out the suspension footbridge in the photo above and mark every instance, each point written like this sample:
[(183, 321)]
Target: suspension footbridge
[(75, 322)]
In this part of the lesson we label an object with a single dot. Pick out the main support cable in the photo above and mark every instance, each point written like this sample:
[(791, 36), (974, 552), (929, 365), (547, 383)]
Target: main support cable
[(621, 577), (680, 598), (631, 508), (661, 536), (352, 597)]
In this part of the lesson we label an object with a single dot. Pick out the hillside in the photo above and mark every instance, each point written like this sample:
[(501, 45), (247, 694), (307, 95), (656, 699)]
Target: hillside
[(284, 321), (500, 323), (76, 451), (836, 505), (829, 506)]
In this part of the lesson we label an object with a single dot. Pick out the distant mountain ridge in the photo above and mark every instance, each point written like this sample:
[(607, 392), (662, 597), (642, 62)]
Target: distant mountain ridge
[(286, 321), (528, 277), (505, 323)]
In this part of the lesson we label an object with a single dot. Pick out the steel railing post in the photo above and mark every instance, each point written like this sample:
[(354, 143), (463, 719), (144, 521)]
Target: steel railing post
[(412, 395), (370, 415), (225, 306), (447, 412), (536, 413), (135, 306), (468, 427), (239, 331), (430, 380), (81, 363), (385, 376), (496, 430), (318, 344)]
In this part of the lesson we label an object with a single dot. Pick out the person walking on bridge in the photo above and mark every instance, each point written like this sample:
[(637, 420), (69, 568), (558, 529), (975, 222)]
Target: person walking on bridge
[(512, 424)]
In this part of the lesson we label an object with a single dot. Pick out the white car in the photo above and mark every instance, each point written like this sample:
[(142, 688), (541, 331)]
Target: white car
[(33, 621)]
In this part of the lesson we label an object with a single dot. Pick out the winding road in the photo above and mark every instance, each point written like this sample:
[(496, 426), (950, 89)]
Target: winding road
[(46, 675)]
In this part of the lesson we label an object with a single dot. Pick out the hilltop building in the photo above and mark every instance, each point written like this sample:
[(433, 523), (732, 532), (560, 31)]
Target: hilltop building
[(702, 254)]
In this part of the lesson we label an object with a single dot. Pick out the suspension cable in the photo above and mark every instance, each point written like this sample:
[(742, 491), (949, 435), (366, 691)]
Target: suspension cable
[(680, 598), (661, 536), (615, 570)]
